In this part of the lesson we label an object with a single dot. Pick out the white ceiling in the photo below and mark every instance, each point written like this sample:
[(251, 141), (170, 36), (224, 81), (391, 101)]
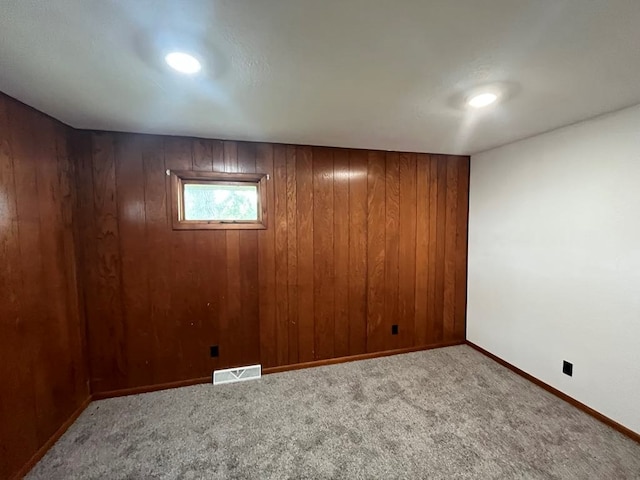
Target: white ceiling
[(382, 74)]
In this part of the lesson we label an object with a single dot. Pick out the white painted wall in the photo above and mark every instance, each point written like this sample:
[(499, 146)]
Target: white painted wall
[(554, 259)]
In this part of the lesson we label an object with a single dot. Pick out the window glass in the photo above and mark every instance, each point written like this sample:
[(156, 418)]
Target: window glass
[(220, 202)]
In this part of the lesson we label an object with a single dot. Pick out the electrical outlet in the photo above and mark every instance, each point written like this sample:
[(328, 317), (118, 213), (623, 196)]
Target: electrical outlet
[(213, 350), (394, 329), (567, 368)]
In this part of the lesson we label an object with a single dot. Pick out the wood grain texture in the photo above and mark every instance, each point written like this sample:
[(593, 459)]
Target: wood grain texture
[(305, 278), (358, 164), (407, 248), (158, 312), (43, 369), (337, 360), (267, 267), (100, 294), (377, 332), (281, 292), (246, 331), (341, 252), (231, 348), (450, 228), (440, 247), (421, 319), (292, 255), (323, 258), (204, 277), (358, 241), (434, 319), (52, 324), (392, 249), (135, 262), (51, 441), (181, 273), (462, 238)]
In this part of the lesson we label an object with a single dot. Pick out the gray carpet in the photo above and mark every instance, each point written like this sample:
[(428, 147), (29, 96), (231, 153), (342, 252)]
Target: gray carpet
[(448, 413)]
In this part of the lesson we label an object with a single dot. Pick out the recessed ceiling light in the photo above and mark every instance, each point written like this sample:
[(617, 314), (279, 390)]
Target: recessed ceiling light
[(183, 62), (482, 100)]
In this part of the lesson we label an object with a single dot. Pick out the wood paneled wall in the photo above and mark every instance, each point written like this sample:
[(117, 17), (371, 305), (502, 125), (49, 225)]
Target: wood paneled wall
[(43, 371), (357, 241)]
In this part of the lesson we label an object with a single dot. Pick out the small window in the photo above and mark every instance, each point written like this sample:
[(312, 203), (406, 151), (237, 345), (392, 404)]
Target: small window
[(211, 200)]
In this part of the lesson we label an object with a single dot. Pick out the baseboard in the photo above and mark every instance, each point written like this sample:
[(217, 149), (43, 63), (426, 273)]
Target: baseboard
[(296, 366), (588, 410), (362, 356), (53, 439), (195, 381), (150, 388), (317, 363)]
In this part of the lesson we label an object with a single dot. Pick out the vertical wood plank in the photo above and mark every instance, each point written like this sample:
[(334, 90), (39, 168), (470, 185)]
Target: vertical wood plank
[(305, 277), (178, 155), (229, 341), (81, 146), (433, 323), (459, 332), (107, 329), (17, 408), (267, 264), (202, 154), (49, 380), (217, 154), (407, 240), (376, 225), (341, 251), (451, 224), (392, 244), (130, 201), (230, 150), (323, 236), (292, 255), (77, 355), (206, 273), (357, 252), (219, 264), (231, 346), (422, 249), (159, 271), (281, 247), (440, 246), (247, 329)]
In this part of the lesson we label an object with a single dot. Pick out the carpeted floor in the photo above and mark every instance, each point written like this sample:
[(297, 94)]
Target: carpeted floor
[(441, 414)]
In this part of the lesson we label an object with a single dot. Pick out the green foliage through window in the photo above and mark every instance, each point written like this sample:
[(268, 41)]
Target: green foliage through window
[(220, 202)]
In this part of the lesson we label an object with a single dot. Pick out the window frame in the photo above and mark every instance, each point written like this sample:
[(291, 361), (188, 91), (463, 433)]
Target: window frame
[(178, 178)]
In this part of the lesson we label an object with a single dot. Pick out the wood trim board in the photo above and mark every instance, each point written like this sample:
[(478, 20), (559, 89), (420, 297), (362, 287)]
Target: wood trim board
[(52, 440), (332, 361), (563, 396)]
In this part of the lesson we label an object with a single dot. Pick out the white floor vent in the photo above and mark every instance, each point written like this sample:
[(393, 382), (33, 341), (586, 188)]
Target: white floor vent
[(240, 374)]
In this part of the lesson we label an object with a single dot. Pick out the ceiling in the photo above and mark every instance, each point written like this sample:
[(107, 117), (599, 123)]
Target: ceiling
[(380, 74)]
